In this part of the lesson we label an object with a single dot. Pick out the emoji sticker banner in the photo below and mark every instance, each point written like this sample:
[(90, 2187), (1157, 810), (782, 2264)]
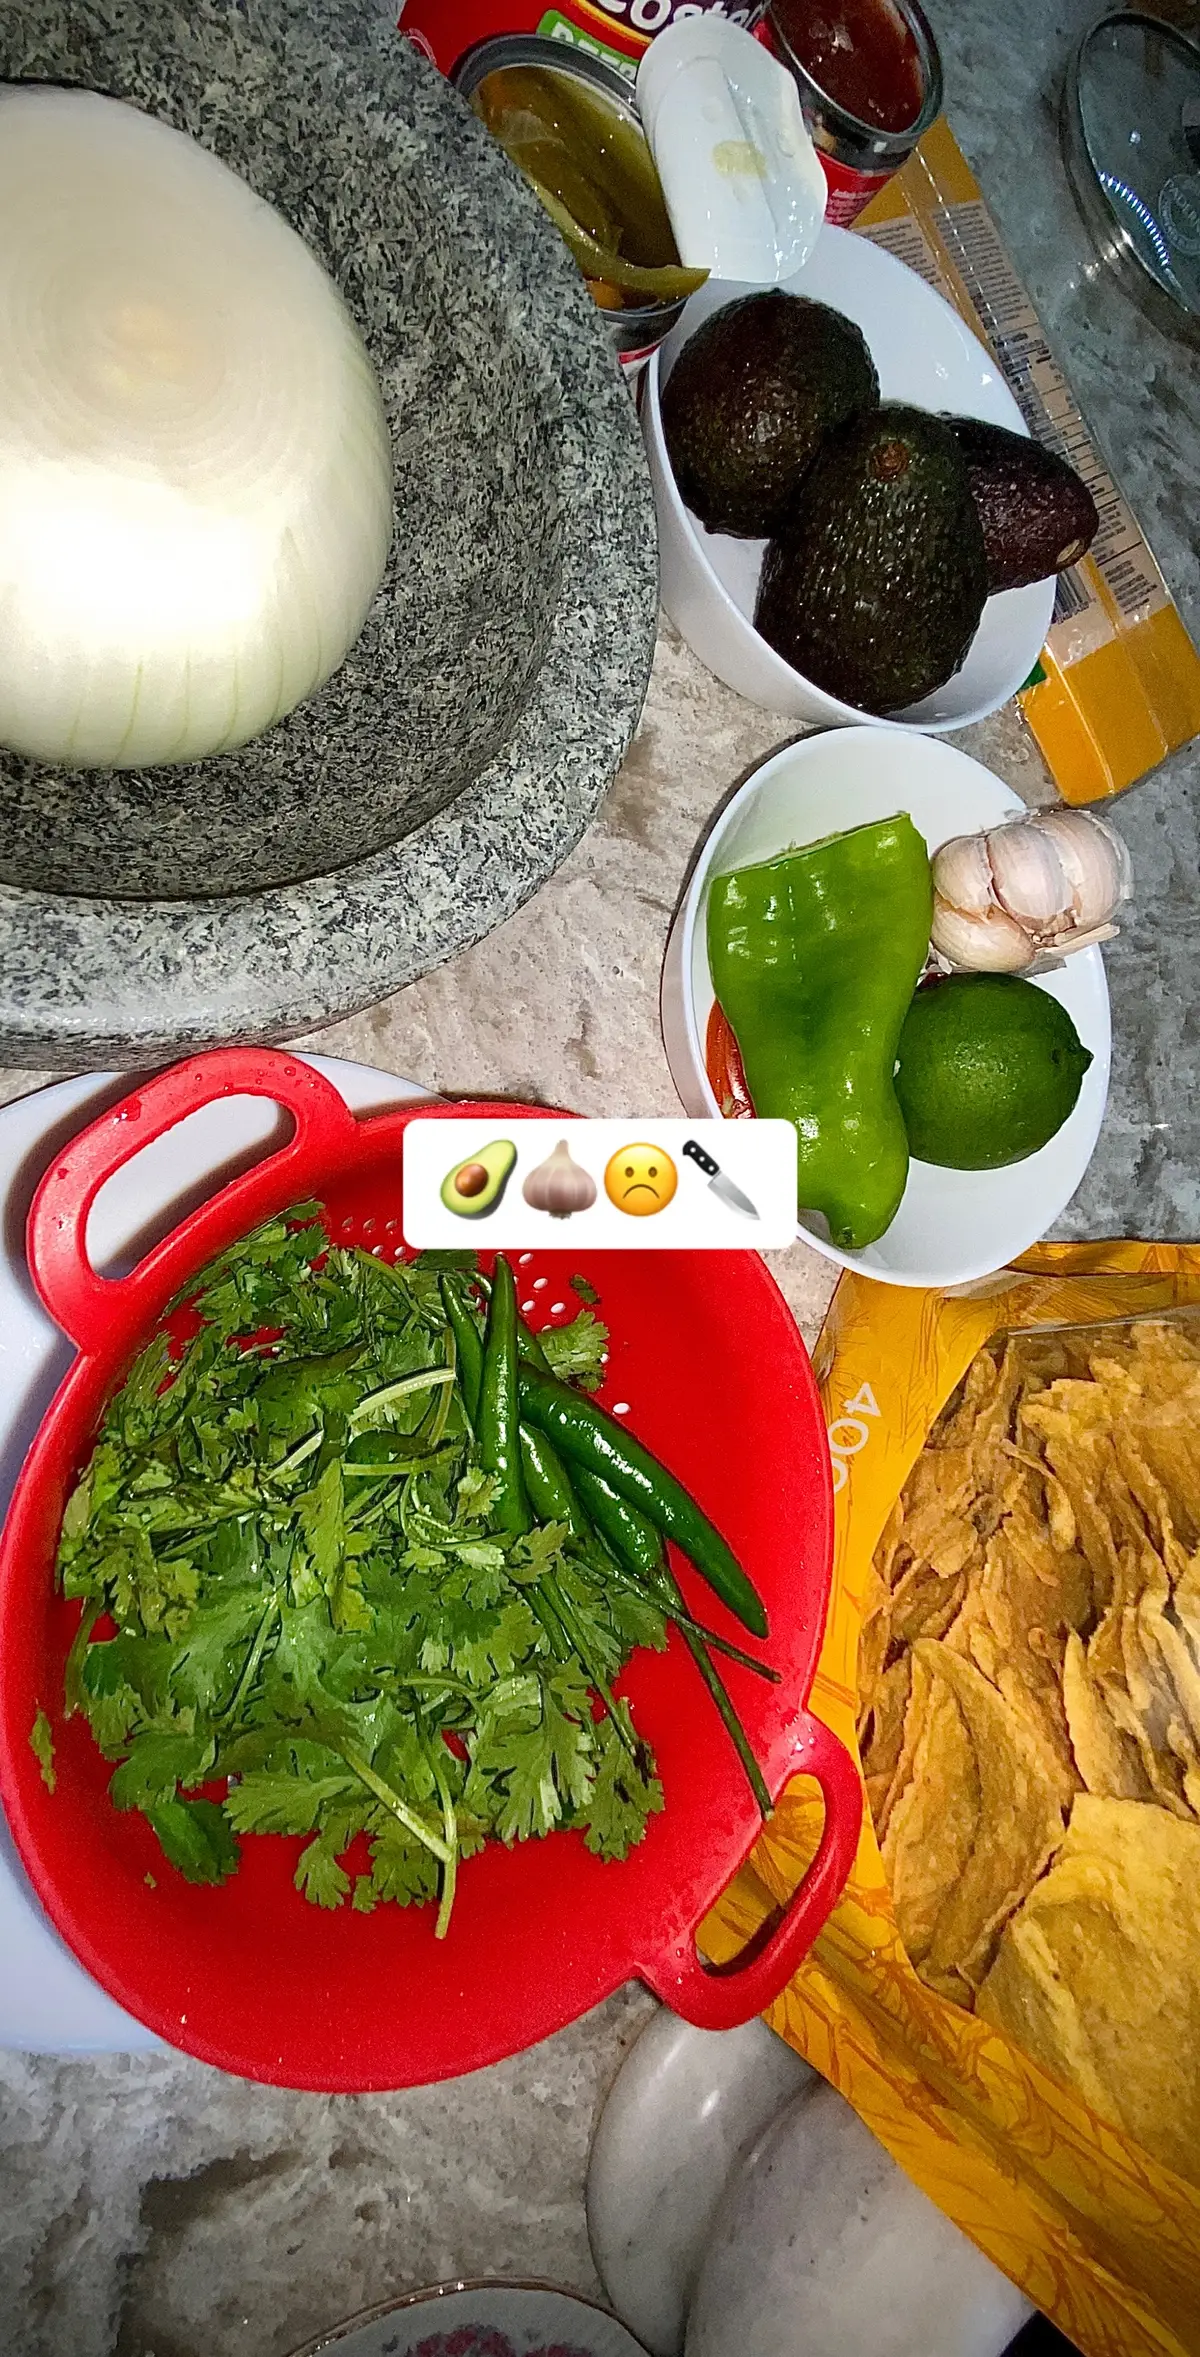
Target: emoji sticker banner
[(677, 1185), (1101, 2236), (640, 1179)]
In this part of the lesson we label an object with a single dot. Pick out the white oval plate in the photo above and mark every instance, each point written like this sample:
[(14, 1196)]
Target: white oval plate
[(481, 2320), (953, 1226), (48, 2003), (924, 354)]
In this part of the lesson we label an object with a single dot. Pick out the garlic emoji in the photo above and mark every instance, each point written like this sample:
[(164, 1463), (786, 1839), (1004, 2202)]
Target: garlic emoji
[(559, 1186), (1022, 895)]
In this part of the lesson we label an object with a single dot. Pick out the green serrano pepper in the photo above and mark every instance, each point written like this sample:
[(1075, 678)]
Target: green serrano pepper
[(589, 1438), (548, 1485), (633, 1539), (468, 1342), (498, 1430)]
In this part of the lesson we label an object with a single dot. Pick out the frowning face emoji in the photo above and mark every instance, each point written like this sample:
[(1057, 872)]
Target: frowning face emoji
[(640, 1179)]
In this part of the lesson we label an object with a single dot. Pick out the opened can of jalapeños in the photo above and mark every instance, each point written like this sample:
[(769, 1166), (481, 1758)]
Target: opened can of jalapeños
[(870, 80), (570, 123)]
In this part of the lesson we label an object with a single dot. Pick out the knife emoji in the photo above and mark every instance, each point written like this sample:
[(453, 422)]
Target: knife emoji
[(719, 1185)]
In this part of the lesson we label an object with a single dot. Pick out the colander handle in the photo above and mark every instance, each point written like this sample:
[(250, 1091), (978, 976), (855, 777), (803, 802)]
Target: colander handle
[(725, 1998), (91, 1308)]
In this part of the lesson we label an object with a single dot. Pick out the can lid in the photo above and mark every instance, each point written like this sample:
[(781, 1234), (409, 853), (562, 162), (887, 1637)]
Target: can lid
[(1133, 133), (742, 180)]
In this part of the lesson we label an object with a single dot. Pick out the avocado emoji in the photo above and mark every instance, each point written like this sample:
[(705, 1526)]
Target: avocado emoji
[(473, 1188)]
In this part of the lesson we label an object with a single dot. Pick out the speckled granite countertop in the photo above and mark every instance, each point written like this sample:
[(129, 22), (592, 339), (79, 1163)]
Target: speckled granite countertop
[(151, 2207)]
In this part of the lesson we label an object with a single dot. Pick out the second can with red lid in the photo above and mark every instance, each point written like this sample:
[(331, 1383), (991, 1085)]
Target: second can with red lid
[(870, 79)]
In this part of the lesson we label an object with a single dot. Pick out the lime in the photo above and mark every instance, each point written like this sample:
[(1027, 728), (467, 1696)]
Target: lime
[(989, 1068)]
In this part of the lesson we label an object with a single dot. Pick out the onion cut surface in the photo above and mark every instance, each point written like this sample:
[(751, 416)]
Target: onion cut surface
[(195, 461)]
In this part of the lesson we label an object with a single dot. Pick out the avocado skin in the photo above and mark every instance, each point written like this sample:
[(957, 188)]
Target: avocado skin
[(1038, 515), (875, 590), (750, 401), (498, 1160)]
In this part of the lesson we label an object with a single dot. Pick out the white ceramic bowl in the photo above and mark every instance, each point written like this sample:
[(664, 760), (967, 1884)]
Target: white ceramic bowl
[(924, 354), (953, 1226)]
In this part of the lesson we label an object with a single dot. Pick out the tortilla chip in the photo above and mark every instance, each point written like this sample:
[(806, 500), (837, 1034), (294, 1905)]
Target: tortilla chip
[(1098, 1976), (1185, 1603), (914, 1719), (889, 1542), (923, 1604), (881, 1730), (1160, 1766), (875, 1637), (1078, 1454), (960, 1415), (934, 1824), (1025, 1997), (1019, 1821), (1108, 1760), (1175, 1653)]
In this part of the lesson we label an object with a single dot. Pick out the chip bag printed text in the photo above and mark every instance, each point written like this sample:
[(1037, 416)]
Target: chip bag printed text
[(1009, 1990)]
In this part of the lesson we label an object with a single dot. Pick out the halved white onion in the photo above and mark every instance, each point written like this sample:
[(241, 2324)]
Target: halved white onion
[(195, 463)]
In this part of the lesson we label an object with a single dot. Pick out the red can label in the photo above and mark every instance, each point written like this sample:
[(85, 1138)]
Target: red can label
[(849, 189), (618, 30)]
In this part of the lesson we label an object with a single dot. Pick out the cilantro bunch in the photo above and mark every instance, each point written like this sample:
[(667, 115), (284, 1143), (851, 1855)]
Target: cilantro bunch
[(319, 1629)]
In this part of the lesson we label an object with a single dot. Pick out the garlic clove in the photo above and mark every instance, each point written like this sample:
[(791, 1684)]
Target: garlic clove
[(990, 942), (1095, 862), (1030, 879), (559, 1185), (962, 873)]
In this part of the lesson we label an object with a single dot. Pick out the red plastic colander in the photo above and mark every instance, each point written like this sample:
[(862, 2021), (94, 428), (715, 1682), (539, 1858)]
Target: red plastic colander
[(250, 1976)]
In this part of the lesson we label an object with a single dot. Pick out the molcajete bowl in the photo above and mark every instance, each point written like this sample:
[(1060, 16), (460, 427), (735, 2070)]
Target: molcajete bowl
[(522, 521)]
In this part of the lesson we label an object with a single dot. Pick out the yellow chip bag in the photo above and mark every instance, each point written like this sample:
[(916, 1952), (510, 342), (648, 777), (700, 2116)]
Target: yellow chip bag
[(1009, 1990)]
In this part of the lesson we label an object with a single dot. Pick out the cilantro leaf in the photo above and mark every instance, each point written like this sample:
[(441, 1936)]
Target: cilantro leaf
[(274, 1801), (576, 1351), (41, 1744), (196, 1839), (160, 1759), (583, 1290), (625, 1795), (319, 1875), (401, 1868)]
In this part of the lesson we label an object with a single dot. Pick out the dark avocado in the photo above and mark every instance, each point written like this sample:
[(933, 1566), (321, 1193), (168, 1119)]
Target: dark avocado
[(1038, 515), (750, 400), (876, 588)]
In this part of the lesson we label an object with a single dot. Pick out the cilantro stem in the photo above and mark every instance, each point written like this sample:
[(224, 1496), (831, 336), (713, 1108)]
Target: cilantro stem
[(675, 1611), (391, 1800), (362, 1471), (253, 1658), (375, 1400), (304, 1449), (73, 1672), (596, 1678), (450, 1826), (733, 1725), (441, 1416)]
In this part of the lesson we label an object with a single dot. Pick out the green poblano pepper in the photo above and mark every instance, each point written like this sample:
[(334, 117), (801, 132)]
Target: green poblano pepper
[(814, 958)]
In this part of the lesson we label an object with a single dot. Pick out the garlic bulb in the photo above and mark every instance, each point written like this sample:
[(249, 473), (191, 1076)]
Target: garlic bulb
[(559, 1186), (1020, 896)]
